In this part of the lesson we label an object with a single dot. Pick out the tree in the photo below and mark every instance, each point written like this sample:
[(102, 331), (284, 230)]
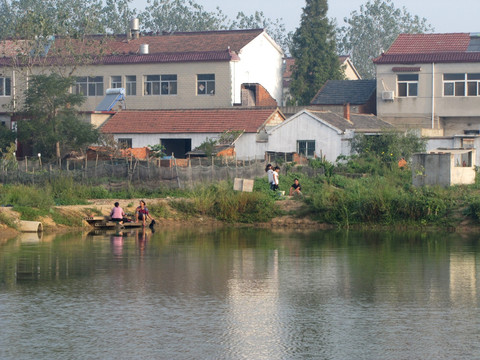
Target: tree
[(274, 28), (7, 137), (187, 15), (389, 146), (51, 125), (314, 50), (181, 15), (373, 29)]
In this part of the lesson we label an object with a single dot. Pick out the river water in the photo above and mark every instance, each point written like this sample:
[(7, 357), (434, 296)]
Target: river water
[(240, 294)]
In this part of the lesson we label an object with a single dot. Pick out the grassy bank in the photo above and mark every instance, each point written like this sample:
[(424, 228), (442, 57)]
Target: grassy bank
[(381, 195), (217, 201), (369, 192)]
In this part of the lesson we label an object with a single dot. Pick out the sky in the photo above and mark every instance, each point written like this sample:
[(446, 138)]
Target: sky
[(445, 16)]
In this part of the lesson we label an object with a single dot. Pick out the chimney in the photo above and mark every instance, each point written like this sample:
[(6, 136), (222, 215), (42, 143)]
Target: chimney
[(346, 111), (134, 28), (144, 49)]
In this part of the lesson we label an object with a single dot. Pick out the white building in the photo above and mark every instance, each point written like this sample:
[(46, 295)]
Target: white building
[(321, 133), (181, 131)]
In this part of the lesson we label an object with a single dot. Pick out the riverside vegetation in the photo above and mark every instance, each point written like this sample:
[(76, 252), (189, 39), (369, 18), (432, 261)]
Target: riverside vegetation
[(383, 195), (364, 189)]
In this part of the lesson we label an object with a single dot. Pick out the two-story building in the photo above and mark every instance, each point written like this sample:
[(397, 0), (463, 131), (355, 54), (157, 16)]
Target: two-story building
[(432, 82), (194, 70)]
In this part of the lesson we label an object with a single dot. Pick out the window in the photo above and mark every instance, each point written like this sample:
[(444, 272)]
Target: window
[(206, 84), (454, 84), (160, 84), (5, 87), (306, 148), (116, 82), (407, 85), (169, 84), (89, 85), (131, 84), (473, 84), (461, 84), (125, 143)]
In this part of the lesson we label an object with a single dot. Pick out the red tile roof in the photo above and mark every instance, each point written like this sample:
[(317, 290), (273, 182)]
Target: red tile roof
[(429, 43), (180, 42), (187, 121), (428, 48), (172, 47), (428, 58)]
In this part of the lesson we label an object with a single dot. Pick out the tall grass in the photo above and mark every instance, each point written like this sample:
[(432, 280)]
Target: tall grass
[(380, 200), (222, 202)]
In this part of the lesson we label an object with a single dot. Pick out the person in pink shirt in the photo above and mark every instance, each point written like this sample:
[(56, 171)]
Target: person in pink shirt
[(117, 214)]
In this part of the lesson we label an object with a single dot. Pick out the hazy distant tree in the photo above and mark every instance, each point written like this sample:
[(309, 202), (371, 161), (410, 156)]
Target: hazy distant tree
[(275, 28), (314, 50), (373, 29), (116, 16), (180, 15), (24, 19)]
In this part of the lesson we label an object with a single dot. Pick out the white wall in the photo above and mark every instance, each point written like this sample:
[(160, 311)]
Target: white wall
[(142, 140), (246, 147), (260, 62), (303, 126), (450, 142)]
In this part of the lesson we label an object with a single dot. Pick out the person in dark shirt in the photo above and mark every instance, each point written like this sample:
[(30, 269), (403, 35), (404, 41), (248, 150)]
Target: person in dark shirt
[(296, 188), (141, 213)]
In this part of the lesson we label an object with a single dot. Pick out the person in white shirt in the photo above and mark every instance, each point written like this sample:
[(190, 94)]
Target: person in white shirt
[(275, 178)]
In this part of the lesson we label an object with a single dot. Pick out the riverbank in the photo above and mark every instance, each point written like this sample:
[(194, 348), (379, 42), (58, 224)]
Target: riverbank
[(293, 214)]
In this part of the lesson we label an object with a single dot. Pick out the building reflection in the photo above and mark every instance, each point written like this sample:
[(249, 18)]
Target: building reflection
[(253, 291), (463, 278)]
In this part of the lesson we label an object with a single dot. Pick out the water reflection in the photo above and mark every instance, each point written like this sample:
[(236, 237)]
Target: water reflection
[(234, 294)]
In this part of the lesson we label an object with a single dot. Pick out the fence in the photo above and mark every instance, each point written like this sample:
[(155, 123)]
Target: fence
[(132, 171)]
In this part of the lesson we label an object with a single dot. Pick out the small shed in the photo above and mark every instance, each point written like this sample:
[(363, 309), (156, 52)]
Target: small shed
[(444, 167)]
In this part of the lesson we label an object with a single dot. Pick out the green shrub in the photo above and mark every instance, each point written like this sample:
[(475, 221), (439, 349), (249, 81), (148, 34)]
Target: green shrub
[(28, 196), (244, 207)]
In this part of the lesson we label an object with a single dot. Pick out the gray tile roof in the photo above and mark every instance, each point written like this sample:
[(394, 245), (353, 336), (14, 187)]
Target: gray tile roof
[(339, 92), (358, 122)]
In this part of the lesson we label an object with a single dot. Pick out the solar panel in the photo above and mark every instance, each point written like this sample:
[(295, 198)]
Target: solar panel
[(474, 44), (112, 96)]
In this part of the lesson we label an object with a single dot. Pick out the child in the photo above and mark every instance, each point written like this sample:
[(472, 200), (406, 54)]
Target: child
[(296, 188), (269, 171), (275, 178)]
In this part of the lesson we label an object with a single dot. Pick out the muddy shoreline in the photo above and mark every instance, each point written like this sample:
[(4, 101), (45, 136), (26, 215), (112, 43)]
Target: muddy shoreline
[(290, 220)]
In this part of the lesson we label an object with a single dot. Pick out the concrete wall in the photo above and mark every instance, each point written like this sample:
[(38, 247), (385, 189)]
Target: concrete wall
[(186, 96), (142, 140), (246, 147), (417, 111), (457, 125), (261, 61), (449, 142), (431, 169), (440, 169)]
